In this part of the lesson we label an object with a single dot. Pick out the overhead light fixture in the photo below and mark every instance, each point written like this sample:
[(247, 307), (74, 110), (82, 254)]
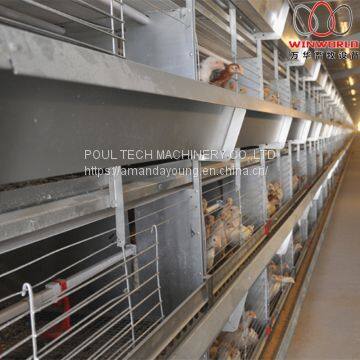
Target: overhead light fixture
[(353, 92), (353, 99), (348, 63), (351, 81)]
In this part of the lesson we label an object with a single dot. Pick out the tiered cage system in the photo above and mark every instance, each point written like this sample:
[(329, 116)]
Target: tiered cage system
[(159, 255)]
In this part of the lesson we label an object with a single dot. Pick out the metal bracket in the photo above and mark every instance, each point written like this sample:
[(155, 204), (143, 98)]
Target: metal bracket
[(117, 202)]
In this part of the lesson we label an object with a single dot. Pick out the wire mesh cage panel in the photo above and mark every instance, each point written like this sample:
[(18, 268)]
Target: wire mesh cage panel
[(319, 155), (286, 178), (83, 301), (246, 326), (320, 201), (326, 186), (98, 25), (311, 160), (299, 166), (253, 195), (283, 91), (169, 222), (326, 150), (311, 105), (280, 272), (275, 191), (250, 83), (221, 216), (300, 237), (299, 101), (312, 216)]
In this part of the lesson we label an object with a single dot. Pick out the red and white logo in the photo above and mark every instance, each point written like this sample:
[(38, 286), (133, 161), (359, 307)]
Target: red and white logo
[(313, 23)]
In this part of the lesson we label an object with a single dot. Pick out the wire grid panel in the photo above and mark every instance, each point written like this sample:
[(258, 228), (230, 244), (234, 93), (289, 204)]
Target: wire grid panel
[(319, 155), (280, 271), (275, 192), (257, 307), (283, 90), (299, 100), (326, 187), (286, 176), (326, 151), (312, 217), (222, 218), (85, 301), (253, 193), (299, 239), (311, 160), (251, 82), (311, 106), (180, 251), (299, 165), (320, 201), (242, 339), (99, 25)]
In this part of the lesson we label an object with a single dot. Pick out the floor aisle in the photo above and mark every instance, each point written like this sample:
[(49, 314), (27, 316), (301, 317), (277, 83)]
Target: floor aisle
[(329, 323)]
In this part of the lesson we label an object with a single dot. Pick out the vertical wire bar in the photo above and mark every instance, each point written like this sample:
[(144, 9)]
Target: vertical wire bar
[(233, 39), (155, 230), (198, 226), (112, 26), (117, 201), (259, 55), (291, 172), (264, 187), (27, 289), (128, 294), (194, 53), (237, 165), (122, 27)]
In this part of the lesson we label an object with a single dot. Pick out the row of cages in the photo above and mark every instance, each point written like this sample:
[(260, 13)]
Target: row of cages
[(98, 290), (250, 325), (211, 41)]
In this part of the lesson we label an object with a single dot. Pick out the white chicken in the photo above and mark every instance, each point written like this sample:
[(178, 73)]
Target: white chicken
[(278, 281), (246, 231), (209, 65)]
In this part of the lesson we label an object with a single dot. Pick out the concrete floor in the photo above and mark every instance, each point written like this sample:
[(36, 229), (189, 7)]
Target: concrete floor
[(329, 323)]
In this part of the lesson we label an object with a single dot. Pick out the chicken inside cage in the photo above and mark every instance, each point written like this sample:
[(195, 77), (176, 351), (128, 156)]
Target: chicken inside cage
[(224, 229), (240, 340), (280, 272), (299, 167), (299, 240)]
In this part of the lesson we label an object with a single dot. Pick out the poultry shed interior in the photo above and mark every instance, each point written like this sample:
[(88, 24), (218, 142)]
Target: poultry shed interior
[(179, 179)]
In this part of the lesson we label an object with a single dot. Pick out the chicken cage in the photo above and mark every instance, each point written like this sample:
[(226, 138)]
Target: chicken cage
[(319, 155), (278, 170), (98, 24), (253, 195), (280, 274), (311, 160), (98, 290), (312, 217), (230, 217), (299, 165), (221, 209), (298, 101), (300, 237), (245, 330), (319, 200)]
